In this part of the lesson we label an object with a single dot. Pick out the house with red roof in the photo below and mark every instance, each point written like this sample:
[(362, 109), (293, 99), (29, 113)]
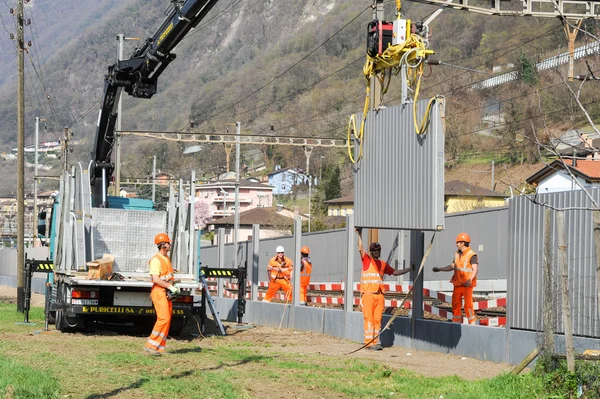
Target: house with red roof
[(572, 174)]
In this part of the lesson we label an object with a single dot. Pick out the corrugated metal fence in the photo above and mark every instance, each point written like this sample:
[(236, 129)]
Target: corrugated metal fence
[(488, 229), (526, 243)]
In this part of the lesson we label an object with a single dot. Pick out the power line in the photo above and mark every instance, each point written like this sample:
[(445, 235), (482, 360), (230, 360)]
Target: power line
[(285, 71)]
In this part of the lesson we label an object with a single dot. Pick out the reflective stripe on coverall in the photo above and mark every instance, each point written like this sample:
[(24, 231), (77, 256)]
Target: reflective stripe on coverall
[(371, 288), (462, 272), (305, 271), (163, 307), (279, 279)]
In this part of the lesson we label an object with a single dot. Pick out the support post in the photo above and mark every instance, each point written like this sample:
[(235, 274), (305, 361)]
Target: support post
[(154, 180), (192, 227), (351, 246), (308, 153), (236, 217), (228, 147), (35, 185), (221, 246), (255, 261), (566, 301), (296, 271), (548, 309), (417, 242), (20, 161), (376, 89), (597, 243), (571, 36)]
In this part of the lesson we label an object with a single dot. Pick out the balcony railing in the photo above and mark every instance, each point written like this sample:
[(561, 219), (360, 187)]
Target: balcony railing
[(231, 199), (223, 213)]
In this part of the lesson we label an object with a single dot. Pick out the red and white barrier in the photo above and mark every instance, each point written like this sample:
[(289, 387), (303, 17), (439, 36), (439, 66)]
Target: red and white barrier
[(438, 295), (493, 322), (492, 303)]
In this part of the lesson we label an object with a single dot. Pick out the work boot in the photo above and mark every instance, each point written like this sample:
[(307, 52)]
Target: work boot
[(152, 352), (377, 347)]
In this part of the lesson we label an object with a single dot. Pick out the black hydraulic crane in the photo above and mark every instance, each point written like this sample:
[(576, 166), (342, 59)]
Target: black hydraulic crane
[(138, 76)]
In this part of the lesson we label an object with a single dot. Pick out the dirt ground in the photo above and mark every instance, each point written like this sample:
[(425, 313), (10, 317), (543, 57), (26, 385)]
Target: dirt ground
[(431, 364)]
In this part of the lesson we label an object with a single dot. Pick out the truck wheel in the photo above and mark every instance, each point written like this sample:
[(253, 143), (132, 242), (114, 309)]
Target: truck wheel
[(177, 325), (52, 317), (69, 324)]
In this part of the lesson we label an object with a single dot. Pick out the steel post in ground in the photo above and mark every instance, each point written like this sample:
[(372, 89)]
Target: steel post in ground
[(351, 247), (255, 261)]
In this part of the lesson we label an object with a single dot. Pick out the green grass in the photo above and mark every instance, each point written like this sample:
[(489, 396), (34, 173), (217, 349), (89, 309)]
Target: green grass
[(20, 381), (53, 365)]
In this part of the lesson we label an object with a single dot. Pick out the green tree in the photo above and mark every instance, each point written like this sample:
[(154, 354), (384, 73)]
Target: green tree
[(332, 186), (162, 195)]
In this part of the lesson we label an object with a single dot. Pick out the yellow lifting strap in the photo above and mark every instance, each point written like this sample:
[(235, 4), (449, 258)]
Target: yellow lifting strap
[(412, 54)]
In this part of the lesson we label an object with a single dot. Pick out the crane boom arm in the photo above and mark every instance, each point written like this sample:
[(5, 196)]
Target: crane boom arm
[(138, 76)]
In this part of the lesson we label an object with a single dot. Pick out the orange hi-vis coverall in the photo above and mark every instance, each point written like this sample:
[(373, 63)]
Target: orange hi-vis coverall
[(463, 271), (371, 288), (163, 307), (279, 278), (305, 271)]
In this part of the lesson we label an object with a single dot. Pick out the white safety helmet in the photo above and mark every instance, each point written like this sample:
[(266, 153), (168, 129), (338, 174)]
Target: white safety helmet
[(279, 249)]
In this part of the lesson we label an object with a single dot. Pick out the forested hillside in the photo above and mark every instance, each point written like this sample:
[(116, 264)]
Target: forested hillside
[(295, 65)]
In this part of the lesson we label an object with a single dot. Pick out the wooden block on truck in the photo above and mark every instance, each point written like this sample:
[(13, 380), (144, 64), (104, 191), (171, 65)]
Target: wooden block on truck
[(100, 269)]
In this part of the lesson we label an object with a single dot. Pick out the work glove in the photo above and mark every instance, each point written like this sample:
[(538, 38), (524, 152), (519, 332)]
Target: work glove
[(174, 289), (436, 269)]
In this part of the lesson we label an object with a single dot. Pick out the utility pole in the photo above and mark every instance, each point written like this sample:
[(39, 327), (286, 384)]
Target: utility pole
[(236, 217), (67, 133), (20, 161), (120, 38), (308, 153)]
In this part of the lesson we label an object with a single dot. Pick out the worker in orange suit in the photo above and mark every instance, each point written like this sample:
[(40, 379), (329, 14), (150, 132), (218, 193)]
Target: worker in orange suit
[(372, 290), (464, 279), (280, 270), (163, 277), (305, 271)]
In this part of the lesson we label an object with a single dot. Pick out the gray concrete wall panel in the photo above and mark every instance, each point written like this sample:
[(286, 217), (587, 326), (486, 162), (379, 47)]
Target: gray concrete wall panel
[(399, 183)]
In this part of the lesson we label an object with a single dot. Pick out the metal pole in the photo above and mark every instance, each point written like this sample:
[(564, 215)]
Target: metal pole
[(308, 153), (351, 248), (154, 180), (236, 218), (296, 271), (192, 227), (20, 162), (35, 187), (493, 184), (375, 84), (120, 39), (309, 203)]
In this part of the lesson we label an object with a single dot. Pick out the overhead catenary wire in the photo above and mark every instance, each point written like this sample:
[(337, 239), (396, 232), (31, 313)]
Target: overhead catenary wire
[(285, 71)]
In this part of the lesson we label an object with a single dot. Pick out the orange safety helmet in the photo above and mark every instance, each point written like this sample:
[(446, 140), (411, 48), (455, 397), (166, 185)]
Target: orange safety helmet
[(161, 237), (463, 237), (305, 250)]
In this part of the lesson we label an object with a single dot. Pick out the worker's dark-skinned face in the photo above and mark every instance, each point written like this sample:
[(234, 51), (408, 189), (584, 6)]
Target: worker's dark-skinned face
[(375, 253)]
